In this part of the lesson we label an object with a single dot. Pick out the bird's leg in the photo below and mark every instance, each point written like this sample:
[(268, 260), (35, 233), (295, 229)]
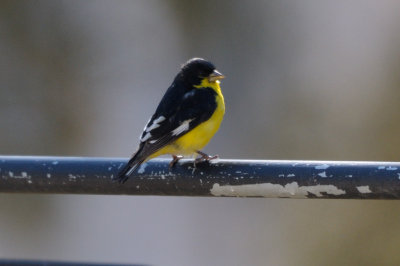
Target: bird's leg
[(204, 157), (175, 159)]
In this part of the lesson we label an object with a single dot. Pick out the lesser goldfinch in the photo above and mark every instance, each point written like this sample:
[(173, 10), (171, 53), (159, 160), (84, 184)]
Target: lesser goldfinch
[(185, 120)]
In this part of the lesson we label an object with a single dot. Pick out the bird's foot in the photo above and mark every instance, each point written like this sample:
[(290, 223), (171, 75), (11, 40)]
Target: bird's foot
[(175, 159), (204, 157)]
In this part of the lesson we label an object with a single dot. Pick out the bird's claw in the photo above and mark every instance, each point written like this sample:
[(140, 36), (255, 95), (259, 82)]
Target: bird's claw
[(204, 157), (175, 159)]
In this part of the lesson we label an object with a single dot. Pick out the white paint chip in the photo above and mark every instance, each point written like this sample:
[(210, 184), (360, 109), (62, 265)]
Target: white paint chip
[(269, 190), (322, 174), (364, 189), (71, 176), (389, 168), (142, 168), (322, 166)]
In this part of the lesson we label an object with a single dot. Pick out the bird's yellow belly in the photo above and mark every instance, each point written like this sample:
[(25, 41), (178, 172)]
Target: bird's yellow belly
[(198, 137)]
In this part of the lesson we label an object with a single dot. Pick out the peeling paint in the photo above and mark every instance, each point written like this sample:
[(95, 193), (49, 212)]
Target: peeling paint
[(142, 168), (322, 166), (269, 190), (389, 168), (364, 189), (322, 174), (315, 179), (71, 177), (24, 175)]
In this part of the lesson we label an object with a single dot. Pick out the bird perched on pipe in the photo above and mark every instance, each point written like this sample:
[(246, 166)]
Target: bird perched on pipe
[(185, 120)]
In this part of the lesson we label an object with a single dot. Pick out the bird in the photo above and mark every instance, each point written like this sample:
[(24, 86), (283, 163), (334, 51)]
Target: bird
[(187, 117)]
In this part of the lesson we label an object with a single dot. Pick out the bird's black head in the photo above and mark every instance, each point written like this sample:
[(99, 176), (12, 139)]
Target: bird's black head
[(196, 69)]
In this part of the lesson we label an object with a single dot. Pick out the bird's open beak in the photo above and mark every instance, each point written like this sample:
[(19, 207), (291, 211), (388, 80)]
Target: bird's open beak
[(215, 76)]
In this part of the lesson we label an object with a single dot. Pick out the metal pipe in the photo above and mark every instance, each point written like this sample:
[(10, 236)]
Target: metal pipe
[(231, 178)]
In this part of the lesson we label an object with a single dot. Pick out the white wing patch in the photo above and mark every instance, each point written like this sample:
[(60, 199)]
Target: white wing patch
[(145, 137), (154, 124), (149, 127), (182, 128), (147, 124)]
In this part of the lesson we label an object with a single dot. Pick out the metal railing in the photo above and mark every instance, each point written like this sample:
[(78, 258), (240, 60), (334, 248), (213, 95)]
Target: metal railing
[(231, 178)]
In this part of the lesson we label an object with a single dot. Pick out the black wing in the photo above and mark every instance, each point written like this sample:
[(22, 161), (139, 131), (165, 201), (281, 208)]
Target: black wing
[(177, 114), (196, 106)]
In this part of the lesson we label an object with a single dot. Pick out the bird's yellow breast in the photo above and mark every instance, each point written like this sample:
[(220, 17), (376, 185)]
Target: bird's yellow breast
[(198, 137)]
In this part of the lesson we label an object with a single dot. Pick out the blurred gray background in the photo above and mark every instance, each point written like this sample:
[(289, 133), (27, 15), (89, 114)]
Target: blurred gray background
[(305, 80)]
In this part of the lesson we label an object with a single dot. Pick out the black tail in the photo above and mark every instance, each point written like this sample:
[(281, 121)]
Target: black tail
[(131, 166)]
